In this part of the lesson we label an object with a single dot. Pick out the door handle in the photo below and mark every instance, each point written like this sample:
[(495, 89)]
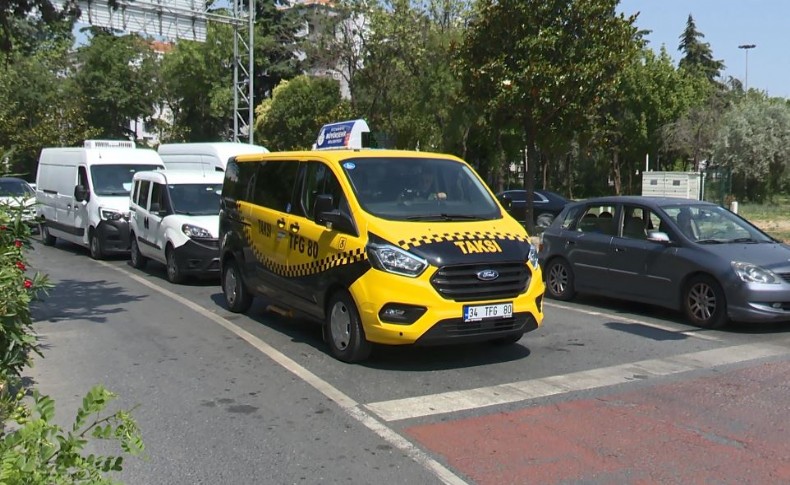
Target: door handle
[(620, 250), (281, 223), (294, 227), (68, 206)]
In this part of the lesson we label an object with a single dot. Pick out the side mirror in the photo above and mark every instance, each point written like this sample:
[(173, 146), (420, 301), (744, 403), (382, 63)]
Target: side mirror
[(658, 236), (81, 193), (325, 213)]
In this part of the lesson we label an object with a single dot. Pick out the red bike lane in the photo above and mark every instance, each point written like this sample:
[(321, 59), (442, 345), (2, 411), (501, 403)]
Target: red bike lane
[(730, 427)]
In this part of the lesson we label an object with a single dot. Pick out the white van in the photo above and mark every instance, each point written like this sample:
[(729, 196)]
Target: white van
[(175, 220), (83, 193), (204, 156)]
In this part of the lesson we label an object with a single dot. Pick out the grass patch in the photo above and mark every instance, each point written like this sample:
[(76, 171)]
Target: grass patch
[(772, 217)]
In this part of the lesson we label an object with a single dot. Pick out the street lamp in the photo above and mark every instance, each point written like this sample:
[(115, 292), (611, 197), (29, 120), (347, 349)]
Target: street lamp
[(746, 48)]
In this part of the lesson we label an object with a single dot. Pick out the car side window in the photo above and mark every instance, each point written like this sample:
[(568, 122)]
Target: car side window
[(597, 219), (638, 222), (156, 197), (142, 194), (82, 177), (274, 185), (319, 180)]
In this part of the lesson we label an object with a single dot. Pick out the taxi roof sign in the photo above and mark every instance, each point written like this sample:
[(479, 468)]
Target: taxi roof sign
[(342, 135)]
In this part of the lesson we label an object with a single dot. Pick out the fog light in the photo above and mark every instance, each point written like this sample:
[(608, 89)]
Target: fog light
[(401, 313)]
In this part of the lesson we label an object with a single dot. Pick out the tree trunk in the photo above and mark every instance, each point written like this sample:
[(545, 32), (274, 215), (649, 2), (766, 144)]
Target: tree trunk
[(616, 172), (529, 177), (568, 177)]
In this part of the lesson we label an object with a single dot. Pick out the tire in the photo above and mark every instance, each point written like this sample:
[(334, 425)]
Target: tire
[(704, 303), (559, 280), (94, 243), (345, 335), (46, 238), (174, 273), (543, 221), (237, 297), (136, 257), (509, 340)]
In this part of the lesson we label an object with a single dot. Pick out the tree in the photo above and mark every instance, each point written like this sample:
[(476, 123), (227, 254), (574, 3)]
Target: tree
[(115, 78), (697, 55), (278, 28), (291, 119), (563, 57), (15, 18)]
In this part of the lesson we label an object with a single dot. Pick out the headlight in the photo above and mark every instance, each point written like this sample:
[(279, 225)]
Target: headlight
[(533, 256), (395, 260), (110, 214), (195, 232), (751, 273)]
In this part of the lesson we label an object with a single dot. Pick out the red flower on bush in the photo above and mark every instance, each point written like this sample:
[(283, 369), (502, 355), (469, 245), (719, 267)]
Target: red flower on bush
[(18, 243), (3, 228), (28, 283), (20, 265)]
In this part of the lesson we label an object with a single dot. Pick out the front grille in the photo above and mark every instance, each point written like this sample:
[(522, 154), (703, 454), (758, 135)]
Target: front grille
[(211, 243), (460, 282)]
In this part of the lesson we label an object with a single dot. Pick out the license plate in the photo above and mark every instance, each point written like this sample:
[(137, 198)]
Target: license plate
[(477, 313)]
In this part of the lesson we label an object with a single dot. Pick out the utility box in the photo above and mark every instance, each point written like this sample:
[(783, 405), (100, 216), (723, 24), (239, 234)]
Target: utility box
[(686, 185)]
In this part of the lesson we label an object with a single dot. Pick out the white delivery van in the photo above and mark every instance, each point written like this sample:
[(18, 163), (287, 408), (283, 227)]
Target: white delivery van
[(175, 220), (83, 193), (204, 156)]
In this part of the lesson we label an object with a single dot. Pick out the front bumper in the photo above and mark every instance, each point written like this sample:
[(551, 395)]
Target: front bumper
[(198, 257), (114, 236), (442, 321)]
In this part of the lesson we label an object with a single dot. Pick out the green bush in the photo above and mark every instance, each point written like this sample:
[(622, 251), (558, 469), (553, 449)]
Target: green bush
[(33, 449)]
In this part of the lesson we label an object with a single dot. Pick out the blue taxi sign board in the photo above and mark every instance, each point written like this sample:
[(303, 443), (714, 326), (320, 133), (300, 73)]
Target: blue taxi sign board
[(345, 134)]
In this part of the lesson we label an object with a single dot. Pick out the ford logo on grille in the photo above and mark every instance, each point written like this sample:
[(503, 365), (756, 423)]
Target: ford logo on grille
[(487, 275)]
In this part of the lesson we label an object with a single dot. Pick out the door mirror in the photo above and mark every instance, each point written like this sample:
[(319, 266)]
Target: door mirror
[(658, 236), (81, 193), (325, 213)]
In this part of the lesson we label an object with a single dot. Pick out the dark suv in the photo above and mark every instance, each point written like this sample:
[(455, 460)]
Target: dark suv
[(546, 206)]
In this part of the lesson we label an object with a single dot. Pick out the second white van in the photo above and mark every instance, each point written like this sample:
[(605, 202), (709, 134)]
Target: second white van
[(83, 193), (204, 156)]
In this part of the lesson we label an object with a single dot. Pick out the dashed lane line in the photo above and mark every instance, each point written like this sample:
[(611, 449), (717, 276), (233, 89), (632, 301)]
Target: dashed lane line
[(620, 318), (454, 401), (351, 407)]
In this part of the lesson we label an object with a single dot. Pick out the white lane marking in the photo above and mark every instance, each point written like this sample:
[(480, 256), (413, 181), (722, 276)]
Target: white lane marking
[(345, 402), (453, 401), (620, 318)]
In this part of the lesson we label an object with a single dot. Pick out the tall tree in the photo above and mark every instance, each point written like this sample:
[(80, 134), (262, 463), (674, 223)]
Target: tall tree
[(279, 30), (563, 57), (16, 17), (697, 55)]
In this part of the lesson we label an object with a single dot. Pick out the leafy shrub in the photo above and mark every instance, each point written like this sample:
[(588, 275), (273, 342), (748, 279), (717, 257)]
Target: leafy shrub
[(33, 449)]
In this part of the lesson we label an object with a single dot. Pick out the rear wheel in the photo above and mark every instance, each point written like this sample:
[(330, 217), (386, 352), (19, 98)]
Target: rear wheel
[(136, 257), (559, 280), (704, 303), (236, 294), (46, 238), (346, 337), (174, 273), (97, 251)]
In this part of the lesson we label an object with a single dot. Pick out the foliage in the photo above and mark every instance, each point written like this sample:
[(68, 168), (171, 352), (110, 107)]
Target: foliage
[(278, 43), (14, 15), (697, 55), (290, 120), (33, 449)]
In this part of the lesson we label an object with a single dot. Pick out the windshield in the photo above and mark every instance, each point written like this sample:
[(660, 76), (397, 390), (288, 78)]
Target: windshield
[(428, 189), (711, 224), (15, 188), (116, 179), (195, 199)]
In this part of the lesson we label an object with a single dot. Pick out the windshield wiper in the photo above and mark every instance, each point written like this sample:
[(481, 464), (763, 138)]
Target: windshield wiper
[(709, 241), (186, 213), (445, 217), (743, 240)]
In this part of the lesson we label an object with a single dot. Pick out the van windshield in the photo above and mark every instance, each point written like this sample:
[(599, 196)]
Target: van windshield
[(116, 179), (195, 199), (419, 189)]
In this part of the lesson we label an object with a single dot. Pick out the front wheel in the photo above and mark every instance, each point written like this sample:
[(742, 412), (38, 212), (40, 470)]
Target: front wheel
[(346, 337), (236, 294), (559, 280), (174, 273), (97, 251), (136, 257), (704, 303)]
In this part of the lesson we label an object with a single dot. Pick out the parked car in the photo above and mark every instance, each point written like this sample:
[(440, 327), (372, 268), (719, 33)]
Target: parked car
[(17, 193), (546, 205), (687, 255)]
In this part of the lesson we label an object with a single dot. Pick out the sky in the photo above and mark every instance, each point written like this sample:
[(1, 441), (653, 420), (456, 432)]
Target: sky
[(726, 24)]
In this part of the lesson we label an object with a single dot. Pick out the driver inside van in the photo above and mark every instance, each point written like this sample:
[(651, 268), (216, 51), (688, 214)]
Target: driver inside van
[(426, 188)]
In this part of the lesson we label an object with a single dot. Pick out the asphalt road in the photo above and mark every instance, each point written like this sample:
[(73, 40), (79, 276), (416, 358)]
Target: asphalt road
[(604, 392)]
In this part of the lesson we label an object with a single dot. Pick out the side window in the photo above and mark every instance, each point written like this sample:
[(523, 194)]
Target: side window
[(157, 191), (274, 185), (232, 189), (82, 177), (142, 195), (597, 219), (567, 222), (319, 180), (635, 222)]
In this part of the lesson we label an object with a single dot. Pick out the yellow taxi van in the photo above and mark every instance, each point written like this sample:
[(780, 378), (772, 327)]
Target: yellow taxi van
[(380, 246)]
